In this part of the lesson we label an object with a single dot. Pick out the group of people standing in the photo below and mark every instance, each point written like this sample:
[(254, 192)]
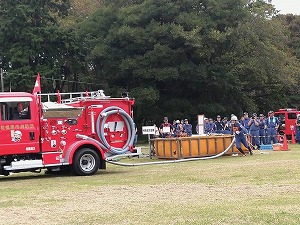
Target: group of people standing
[(262, 129), (178, 129)]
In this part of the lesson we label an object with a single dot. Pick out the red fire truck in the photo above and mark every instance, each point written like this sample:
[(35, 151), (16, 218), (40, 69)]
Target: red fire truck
[(79, 131), (288, 119)]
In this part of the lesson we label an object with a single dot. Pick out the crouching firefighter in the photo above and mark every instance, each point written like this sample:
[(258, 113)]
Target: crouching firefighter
[(239, 131)]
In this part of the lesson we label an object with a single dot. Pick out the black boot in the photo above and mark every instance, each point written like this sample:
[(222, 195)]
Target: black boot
[(250, 150), (241, 151)]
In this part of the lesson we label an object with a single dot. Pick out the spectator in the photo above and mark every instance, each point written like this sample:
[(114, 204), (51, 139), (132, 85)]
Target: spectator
[(254, 130), (156, 135), (178, 129), (245, 121), (298, 129), (205, 126), (211, 126), (239, 131), (272, 124), (187, 128), (227, 126), (166, 129), (262, 129), (136, 135), (174, 123), (219, 125)]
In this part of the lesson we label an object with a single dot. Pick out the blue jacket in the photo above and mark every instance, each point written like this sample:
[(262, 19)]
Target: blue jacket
[(262, 124), (253, 126), (272, 122), (238, 127), (245, 123), (187, 128), (211, 127)]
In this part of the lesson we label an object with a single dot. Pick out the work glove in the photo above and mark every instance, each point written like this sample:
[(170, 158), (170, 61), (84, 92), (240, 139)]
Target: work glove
[(237, 132)]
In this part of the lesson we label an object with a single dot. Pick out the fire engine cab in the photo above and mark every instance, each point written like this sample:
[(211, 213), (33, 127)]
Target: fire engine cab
[(79, 131), (287, 118)]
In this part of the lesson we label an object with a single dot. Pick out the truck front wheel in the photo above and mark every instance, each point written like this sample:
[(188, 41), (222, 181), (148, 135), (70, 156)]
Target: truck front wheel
[(85, 162)]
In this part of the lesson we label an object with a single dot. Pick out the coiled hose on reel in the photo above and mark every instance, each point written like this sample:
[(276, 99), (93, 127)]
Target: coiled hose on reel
[(101, 120)]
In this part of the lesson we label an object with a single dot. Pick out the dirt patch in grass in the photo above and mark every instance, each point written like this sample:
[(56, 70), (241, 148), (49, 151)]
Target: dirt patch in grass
[(66, 207), (263, 189)]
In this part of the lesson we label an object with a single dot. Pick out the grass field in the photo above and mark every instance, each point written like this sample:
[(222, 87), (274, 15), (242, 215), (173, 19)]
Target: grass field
[(258, 189)]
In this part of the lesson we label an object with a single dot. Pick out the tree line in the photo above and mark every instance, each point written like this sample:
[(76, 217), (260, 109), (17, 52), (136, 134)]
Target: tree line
[(177, 58)]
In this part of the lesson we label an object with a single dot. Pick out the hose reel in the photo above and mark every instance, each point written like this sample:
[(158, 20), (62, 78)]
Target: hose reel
[(100, 126)]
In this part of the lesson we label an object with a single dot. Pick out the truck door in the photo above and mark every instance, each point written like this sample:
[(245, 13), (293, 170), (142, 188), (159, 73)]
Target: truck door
[(19, 128)]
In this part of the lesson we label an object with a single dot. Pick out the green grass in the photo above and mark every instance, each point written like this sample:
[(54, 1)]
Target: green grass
[(261, 189)]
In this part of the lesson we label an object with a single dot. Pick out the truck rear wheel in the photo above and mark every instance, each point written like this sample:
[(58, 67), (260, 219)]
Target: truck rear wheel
[(86, 162)]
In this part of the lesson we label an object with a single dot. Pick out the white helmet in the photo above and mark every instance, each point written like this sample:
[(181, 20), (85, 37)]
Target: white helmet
[(234, 118)]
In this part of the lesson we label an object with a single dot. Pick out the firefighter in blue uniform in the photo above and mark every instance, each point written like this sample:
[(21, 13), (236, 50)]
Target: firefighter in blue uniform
[(239, 131), (211, 126), (272, 124), (206, 126), (298, 129), (177, 129), (254, 130), (220, 125), (262, 129), (245, 121), (187, 128), (227, 126)]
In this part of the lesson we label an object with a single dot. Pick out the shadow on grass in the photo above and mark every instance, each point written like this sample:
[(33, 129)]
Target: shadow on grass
[(46, 175)]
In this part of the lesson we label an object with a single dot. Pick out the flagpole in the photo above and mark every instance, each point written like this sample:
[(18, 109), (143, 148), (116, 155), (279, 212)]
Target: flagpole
[(2, 83)]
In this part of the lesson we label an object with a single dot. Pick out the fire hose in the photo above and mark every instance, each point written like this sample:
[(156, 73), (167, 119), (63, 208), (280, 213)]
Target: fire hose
[(109, 159), (100, 124)]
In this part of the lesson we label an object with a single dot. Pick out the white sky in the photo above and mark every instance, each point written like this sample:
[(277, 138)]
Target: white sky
[(287, 6)]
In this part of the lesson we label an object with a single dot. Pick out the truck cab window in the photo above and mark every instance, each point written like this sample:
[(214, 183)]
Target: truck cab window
[(292, 116), (15, 111)]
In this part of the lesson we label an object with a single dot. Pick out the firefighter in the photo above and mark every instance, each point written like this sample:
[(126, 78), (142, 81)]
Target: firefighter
[(245, 120), (220, 125), (136, 135), (178, 129), (211, 126), (187, 128), (298, 129), (272, 124), (254, 130), (227, 126), (206, 125), (240, 131), (262, 129)]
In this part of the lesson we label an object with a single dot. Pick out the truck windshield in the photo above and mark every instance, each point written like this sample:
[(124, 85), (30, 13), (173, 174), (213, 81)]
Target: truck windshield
[(15, 110)]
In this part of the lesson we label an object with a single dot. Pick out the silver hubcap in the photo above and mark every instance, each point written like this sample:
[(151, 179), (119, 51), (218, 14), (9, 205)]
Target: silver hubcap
[(87, 162)]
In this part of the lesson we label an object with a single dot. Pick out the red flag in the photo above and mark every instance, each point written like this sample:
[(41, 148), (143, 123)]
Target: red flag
[(37, 85), (58, 97)]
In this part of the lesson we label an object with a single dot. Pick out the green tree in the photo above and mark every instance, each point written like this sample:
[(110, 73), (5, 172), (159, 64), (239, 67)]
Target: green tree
[(164, 52), (292, 24), (32, 41)]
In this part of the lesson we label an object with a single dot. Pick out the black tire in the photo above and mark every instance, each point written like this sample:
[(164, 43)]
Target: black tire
[(86, 162)]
